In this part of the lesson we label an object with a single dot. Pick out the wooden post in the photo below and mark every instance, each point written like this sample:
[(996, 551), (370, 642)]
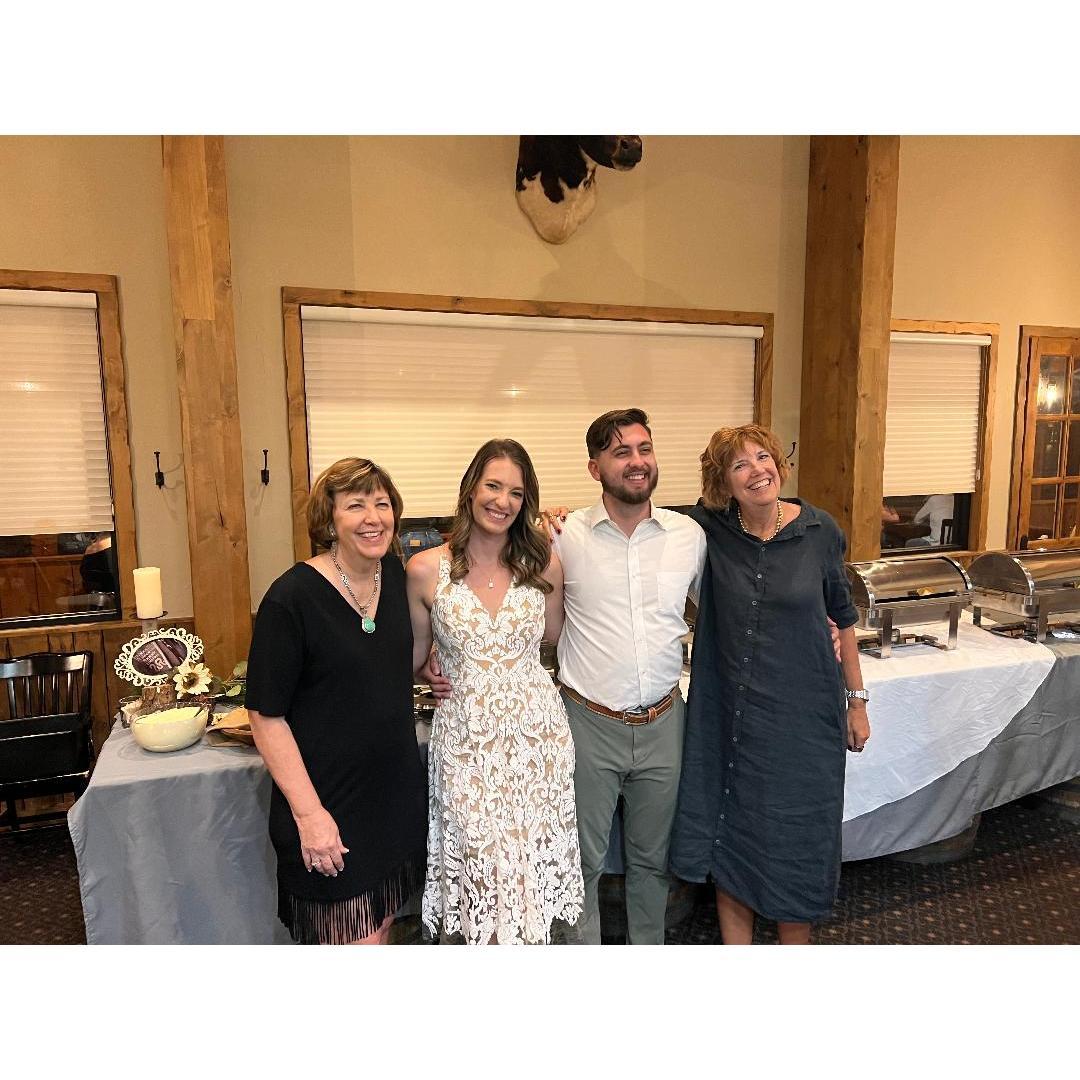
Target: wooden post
[(850, 236), (200, 266)]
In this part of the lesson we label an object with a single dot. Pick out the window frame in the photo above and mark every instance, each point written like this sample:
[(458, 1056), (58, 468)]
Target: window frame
[(294, 298), (980, 498), (114, 383)]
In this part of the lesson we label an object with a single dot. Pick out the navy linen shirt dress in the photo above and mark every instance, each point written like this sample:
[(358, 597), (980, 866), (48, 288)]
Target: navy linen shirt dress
[(761, 796)]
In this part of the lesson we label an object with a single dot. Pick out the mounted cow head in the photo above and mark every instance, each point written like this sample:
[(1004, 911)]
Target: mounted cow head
[(556, 186)]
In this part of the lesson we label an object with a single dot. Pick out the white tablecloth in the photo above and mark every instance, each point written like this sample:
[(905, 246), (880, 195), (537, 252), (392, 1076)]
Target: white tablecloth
[(932, 709)]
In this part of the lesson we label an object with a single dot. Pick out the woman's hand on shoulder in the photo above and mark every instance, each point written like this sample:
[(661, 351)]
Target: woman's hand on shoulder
[(552, 519)]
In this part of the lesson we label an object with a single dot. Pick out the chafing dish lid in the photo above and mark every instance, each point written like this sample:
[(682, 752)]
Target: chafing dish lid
[(888, 580), (1026, 572)]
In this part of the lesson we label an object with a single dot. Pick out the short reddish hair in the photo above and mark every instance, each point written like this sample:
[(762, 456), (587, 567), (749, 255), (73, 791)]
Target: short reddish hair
[(722, 450)]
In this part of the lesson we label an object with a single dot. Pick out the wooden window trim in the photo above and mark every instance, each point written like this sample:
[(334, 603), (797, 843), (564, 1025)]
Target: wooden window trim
[(1021, 426), (114, 380), (980, 499), (293, 298)]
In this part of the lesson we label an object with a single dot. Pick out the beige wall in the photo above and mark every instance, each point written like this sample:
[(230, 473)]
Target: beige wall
[(700, 223), (290, 223), (988, 230), (96, 205)]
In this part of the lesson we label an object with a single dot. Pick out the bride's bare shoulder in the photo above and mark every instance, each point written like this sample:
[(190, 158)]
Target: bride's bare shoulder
[(423, 567)]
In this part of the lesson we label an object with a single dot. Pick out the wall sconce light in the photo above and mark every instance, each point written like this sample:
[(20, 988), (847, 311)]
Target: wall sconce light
[(264, 474), (159, 476)]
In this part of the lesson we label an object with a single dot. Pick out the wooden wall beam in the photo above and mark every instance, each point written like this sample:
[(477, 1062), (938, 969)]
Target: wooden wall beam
[(850, 238), (200, 266)]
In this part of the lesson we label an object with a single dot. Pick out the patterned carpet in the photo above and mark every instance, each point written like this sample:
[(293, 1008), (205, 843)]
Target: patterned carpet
[(1021, 885)]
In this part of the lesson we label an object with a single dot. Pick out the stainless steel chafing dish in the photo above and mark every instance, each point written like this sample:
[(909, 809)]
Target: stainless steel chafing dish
[(1033, 585), (890, 593)]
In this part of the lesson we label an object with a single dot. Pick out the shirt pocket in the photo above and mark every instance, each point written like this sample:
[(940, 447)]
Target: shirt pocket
[(671, 589)]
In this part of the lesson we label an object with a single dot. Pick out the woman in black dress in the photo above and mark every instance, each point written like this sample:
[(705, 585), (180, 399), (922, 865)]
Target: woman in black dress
[(761, 796), (329, 693)]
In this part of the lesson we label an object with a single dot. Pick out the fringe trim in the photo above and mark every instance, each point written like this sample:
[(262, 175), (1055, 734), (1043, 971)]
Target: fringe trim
[(339, 922)]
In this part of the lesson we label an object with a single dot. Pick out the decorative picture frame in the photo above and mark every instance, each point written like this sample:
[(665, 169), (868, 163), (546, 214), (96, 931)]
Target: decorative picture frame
[(149, 660)]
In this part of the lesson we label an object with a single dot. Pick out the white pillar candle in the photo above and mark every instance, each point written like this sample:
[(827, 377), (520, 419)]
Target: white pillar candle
[(148, 592)]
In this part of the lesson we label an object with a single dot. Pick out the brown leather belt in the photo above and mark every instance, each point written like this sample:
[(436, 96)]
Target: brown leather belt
[(644, 715)]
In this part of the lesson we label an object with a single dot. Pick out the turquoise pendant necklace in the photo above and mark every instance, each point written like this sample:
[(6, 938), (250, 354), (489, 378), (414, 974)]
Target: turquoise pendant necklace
[(367, 624)]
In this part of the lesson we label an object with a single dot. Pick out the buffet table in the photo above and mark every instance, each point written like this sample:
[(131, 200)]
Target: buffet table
[(1035, 748), (174, 848)]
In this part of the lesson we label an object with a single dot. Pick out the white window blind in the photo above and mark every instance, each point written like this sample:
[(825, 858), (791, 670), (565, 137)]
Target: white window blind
[(932, 416), (420, 392), (55, 475)]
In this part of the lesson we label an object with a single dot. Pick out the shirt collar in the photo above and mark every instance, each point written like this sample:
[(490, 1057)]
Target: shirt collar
[(598, 513)]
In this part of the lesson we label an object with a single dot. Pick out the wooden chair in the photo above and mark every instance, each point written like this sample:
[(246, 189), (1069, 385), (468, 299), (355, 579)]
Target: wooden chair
[(46, 747)]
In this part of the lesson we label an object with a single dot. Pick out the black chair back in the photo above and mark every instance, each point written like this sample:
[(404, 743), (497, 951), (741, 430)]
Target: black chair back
[(46, 746)]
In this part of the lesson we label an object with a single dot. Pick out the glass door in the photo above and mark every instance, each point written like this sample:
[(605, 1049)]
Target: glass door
[(1050, 477)]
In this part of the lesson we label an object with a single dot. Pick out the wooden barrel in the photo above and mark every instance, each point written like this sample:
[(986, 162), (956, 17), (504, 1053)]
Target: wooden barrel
[(682, 896), (1062, 799), (951, 849)]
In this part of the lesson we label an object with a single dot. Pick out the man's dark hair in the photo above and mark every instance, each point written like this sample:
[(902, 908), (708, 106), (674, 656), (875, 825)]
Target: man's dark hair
[(604, 428)]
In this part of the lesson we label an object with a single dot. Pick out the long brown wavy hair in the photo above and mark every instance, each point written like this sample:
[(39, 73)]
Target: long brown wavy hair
[(527, 551)]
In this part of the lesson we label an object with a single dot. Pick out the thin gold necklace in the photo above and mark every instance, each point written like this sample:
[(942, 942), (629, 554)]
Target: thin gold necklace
[(473, 565), (367, 624), (779, 521)]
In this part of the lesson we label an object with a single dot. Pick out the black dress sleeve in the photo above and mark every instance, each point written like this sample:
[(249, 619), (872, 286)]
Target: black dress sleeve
[(275, 660), (837, 591)]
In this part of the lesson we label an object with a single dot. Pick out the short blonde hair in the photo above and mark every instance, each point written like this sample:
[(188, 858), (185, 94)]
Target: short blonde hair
[(722, 450), (347, 475)]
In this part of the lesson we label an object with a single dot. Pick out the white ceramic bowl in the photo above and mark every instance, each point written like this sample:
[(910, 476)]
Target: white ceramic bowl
[(171, 729)]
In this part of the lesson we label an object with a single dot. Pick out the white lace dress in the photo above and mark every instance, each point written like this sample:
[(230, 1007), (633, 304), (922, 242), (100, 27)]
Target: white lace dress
[(503, 856)]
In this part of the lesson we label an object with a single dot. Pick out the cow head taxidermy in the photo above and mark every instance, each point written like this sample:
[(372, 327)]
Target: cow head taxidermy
[(556, 182)]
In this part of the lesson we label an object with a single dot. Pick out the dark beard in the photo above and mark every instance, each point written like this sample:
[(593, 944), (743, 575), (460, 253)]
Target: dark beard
[(626, 495)]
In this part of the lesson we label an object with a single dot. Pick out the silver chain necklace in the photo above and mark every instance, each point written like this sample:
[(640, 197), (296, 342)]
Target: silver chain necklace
[(367, 624), (779, 522)]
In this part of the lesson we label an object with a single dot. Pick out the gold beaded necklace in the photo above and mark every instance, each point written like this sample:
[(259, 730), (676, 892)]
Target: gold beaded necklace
[(779, 521)]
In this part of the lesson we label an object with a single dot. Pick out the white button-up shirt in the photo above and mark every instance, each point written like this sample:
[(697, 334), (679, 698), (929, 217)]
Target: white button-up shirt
[(625, 598)]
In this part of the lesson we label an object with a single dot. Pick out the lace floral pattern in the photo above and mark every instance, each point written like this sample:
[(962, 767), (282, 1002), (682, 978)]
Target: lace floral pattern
[(503, 856)]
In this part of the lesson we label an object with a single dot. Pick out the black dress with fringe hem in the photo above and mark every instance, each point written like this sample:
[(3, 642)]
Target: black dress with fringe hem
[(347, 698), (340, 922)]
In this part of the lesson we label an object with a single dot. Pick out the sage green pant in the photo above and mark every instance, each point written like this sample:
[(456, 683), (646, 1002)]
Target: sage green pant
[(641, 763)]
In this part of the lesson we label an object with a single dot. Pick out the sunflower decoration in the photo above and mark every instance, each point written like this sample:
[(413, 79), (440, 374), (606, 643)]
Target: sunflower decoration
[(192, 679), (193, 684)]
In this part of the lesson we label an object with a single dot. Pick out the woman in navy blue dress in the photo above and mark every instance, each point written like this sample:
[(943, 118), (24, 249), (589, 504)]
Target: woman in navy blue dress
[(770, 713)]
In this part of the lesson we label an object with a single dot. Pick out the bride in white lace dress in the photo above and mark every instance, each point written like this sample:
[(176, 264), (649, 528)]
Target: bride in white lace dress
[(503, 856)]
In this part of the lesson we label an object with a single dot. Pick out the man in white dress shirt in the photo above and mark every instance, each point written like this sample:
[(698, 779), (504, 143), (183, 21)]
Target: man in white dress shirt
[(628, 567)]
